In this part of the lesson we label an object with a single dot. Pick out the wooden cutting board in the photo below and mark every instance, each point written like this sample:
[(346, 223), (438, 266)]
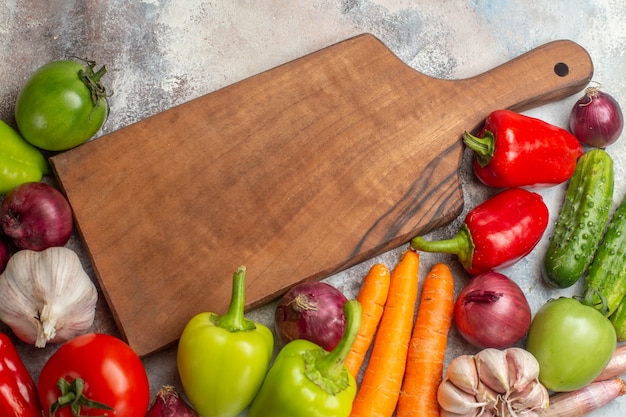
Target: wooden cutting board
[(297, 173)]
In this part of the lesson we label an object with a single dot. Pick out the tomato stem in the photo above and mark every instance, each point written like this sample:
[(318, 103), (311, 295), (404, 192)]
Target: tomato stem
[(92, 81), (72, 396)]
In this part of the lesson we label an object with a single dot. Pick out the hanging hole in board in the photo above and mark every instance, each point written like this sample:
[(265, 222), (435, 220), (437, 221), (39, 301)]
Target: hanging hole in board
[(561, 69)]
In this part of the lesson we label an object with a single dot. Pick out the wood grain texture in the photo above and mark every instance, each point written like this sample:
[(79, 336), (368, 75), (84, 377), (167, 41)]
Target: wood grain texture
[(298, 172)]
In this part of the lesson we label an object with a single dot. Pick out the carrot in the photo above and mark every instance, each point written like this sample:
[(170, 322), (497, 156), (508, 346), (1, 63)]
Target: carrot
[(372, 296), (380, 388), (427, 349)]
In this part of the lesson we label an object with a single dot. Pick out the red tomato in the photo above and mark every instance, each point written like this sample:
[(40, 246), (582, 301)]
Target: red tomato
[(111, 371)]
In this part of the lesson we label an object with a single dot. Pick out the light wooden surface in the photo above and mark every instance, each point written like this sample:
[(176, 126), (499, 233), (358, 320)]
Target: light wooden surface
[(297, 173)]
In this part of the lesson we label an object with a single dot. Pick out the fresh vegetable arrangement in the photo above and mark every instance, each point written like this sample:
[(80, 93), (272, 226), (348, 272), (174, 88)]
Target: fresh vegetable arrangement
[(381, 354)]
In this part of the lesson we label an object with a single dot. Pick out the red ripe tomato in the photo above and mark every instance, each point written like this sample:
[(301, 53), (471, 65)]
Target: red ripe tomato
[(112, 373)]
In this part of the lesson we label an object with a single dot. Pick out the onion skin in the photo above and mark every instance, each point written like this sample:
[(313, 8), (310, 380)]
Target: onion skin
[(5, 254), (36, 216), (596, 119), (167, 403), (312, 311), (491, 311)]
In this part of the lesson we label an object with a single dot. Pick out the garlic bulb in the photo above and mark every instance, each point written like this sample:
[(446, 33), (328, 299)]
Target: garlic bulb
[(47, 296), (498, 383)]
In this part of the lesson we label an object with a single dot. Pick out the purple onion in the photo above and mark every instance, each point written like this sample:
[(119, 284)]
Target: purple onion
[(596, 119), (312, 311), (36, 216)]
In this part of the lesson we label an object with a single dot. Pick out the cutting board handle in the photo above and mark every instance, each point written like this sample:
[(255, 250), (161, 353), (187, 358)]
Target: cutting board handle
[(550, 72)]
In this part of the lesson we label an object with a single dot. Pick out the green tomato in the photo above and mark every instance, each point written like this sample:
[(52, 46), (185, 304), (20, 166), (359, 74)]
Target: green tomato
[(62, 105), (572, 343)]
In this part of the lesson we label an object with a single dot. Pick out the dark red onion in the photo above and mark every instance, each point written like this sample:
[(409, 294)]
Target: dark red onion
[(596, 119), (311, 311), (36, 216), (5, 254), (492, 311), (167, 403)]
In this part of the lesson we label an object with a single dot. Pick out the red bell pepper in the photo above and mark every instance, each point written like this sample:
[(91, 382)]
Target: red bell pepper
[(513, 150), (496, 233), (18, 394)]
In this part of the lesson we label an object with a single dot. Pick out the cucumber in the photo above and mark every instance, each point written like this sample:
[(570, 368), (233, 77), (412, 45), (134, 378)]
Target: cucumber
[(582, 219), (605, 284), (618, 320)]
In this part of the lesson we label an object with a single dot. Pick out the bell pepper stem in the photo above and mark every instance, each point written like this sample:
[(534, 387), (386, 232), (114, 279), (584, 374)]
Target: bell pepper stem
[(461, 245), (234, 319), (332, 364), (483, 147)]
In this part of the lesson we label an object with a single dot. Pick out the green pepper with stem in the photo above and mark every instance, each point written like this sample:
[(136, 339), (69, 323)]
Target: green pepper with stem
[(222, 359), (20, 161), (307, 381)]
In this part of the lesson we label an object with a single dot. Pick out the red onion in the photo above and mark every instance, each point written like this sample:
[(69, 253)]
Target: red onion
[(5, 254), (491, 311), (311, 311), (168, 403), (36, 216), (596, 119)]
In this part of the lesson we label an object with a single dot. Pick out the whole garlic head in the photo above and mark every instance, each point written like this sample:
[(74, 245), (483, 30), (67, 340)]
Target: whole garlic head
[(46, 296), (503, 383)]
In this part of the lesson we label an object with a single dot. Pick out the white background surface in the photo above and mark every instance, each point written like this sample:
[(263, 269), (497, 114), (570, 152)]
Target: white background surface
[(165, 52)]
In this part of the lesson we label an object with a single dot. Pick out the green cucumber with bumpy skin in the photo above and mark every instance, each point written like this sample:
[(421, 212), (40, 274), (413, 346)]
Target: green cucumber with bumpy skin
[(618, 320), (605, 284), (582, 219)]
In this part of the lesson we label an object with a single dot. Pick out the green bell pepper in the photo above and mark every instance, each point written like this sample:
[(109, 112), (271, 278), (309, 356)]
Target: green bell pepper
[(222, 359), (307, 381), (20, 161)]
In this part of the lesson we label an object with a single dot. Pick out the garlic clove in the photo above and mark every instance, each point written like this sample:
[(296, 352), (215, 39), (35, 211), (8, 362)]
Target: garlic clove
[(532, 397), (489, 397), (523, 368), (492, 368), (462, 372), (476, 413), (454, 400)]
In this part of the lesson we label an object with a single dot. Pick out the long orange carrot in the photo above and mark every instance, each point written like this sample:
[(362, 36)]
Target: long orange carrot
[(427, 349), (380, 388), (372, 296)]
